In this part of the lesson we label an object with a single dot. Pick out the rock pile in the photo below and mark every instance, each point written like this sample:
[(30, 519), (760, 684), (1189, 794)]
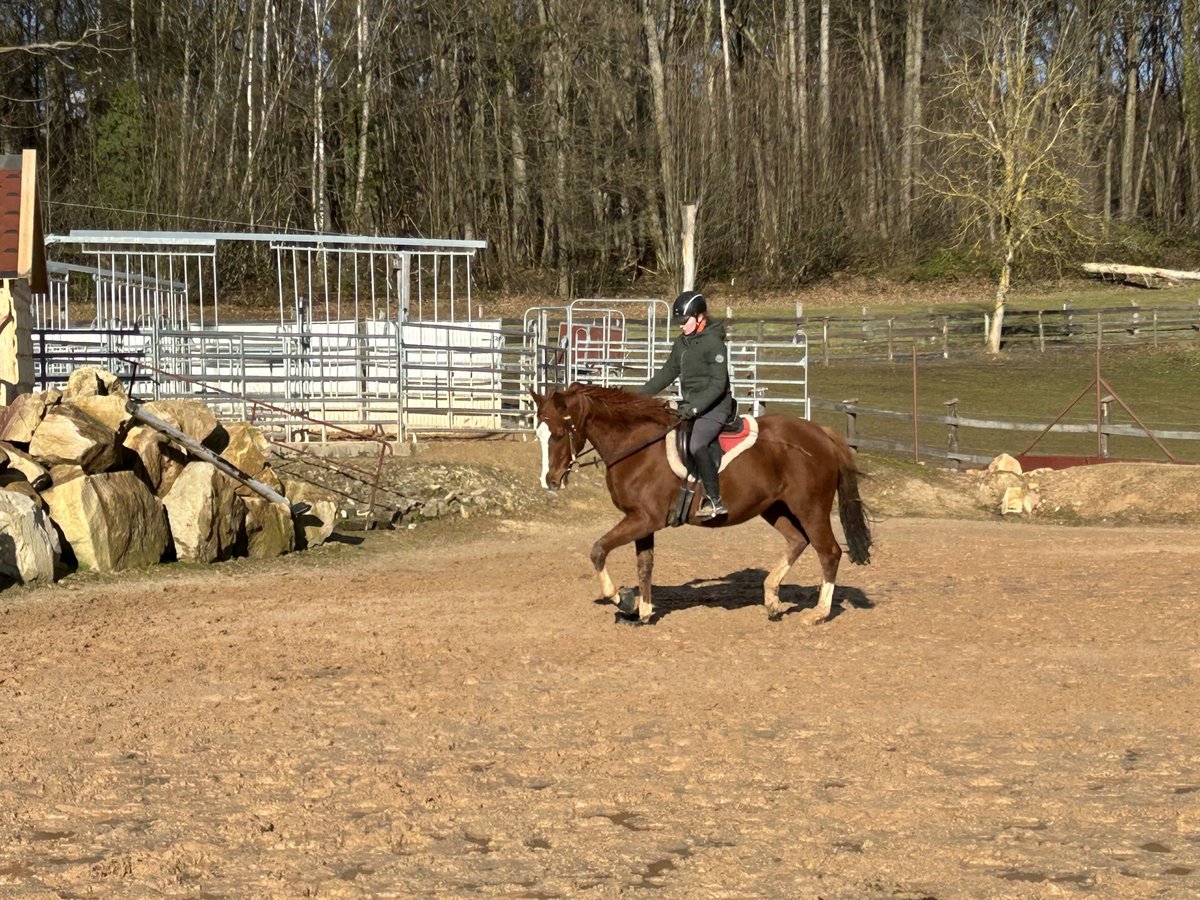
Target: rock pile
[(1005, 487), (84, 483)]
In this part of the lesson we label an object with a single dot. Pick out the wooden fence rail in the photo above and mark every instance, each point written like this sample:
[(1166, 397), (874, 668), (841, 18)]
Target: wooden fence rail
[(940, 334), (953, 422)]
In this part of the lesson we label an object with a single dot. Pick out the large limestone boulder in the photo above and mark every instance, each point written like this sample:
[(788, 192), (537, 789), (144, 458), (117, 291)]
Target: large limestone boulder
[(159, 461), (191, 417), (314, 527), (112, 521), (69, 436), (29, 546), (106, 408), (35, 473), (269, 528), (1005, 463), (207, 518), (65, 472), (12, 480), (20, 419), (247, 449), (90, 381), (1018, 500)]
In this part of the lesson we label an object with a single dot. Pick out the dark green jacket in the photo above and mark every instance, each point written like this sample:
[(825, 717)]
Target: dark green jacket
[(701, 363)]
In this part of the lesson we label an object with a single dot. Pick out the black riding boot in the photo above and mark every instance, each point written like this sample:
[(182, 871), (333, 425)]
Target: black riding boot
[(706, 465)]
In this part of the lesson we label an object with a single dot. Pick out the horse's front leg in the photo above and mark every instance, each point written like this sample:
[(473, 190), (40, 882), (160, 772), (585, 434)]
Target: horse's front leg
[(645, 566), (631, 528)]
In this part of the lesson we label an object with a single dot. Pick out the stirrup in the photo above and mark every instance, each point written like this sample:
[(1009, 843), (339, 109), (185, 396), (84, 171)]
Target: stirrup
[(712, 507)]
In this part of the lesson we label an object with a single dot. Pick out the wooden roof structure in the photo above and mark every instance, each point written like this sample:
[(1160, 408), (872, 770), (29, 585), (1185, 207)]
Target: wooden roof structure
[(22, 245)]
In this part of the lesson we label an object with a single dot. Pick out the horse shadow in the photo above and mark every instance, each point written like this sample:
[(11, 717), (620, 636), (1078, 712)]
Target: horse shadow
[(745, 588)]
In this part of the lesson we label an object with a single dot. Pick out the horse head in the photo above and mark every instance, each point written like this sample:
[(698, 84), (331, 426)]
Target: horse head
[(560, 423)]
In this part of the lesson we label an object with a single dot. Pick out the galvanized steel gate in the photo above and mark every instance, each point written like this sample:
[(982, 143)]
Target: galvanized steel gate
[(375, 335)]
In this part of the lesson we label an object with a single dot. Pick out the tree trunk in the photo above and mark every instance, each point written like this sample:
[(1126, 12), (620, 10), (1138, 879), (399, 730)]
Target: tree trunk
[(1003, 283), (1133, 43), (914, 52), (319, 175), (880, 170), (520, 177), (727, 69), (823, 87), (662, 127), (365, 85), (1190, 51)]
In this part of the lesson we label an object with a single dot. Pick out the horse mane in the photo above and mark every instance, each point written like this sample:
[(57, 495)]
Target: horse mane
[(623, 407)]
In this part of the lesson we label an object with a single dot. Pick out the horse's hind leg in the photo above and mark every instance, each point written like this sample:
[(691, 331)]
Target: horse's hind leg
[(820, 533), (782, 521)]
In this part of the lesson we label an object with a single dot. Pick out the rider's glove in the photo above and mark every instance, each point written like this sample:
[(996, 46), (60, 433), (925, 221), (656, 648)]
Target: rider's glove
[(687, 412)]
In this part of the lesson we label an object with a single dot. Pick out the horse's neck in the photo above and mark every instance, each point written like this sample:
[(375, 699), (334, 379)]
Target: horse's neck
[(610, 437)]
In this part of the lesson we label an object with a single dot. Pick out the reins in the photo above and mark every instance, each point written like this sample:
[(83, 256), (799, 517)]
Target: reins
[(622, 455)]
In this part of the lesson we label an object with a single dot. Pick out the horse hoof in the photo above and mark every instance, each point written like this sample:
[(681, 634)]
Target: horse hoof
[(776, 616), (634, 620), (627, 601)]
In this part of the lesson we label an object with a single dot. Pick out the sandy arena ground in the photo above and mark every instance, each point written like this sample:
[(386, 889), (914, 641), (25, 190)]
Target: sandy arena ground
[(995, 710)]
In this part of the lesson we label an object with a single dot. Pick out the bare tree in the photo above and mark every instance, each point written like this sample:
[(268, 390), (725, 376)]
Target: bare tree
[(1009, 140)]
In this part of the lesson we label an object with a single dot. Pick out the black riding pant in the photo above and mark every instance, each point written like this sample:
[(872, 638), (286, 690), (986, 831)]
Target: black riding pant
[(702, 446)]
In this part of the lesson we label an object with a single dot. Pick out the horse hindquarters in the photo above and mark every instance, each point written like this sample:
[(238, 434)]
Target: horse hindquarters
[(810, 465)]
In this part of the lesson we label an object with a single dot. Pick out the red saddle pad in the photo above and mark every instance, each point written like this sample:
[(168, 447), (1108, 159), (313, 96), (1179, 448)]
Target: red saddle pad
[(729, 440)]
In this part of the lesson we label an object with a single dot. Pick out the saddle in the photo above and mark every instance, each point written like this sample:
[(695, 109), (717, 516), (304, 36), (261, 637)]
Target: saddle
[(733, 441)]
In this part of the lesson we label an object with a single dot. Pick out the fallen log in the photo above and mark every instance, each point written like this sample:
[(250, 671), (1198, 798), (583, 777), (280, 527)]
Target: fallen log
[(1144, 273), (195, 448)]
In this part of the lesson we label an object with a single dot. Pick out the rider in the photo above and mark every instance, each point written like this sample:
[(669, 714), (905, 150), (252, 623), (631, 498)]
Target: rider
[(699, 360)]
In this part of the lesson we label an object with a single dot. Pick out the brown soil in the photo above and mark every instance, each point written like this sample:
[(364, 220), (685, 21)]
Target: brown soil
[(996, 710)]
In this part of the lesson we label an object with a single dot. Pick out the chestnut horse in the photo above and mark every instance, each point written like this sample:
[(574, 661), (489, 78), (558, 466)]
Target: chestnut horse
[(788, 477)]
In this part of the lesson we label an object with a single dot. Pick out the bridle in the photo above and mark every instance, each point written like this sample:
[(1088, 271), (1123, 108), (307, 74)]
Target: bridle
[(573, 432)]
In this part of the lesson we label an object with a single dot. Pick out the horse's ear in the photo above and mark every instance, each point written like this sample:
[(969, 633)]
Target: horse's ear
[(538, 399)]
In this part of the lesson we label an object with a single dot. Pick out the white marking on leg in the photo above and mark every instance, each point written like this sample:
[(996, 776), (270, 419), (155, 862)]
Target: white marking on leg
[(825, 600), (820, 612), (771, 585), (543, 433), (608, 590), (645, 607)]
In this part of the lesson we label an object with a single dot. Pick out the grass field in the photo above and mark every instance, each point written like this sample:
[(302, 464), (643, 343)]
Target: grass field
[(1159, 386)]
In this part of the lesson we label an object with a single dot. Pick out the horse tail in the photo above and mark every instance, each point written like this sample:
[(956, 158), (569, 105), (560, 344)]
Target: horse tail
[(851, 511)]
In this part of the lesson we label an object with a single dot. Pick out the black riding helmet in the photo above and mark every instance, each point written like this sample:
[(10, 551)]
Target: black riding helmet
[(688, 304)]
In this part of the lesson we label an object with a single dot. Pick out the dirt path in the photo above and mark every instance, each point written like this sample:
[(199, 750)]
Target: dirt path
[(996, 710)]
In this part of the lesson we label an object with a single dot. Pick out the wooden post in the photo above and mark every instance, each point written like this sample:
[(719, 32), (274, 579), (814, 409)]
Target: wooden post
[(825, 339), (1099, 382), (916, 424), (987, 322), (952, 429), (851, 421), (1041, 333), (890, 355), (945, 337), (799, 310), (1156, 328), (1105, 412), (687, 246)]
